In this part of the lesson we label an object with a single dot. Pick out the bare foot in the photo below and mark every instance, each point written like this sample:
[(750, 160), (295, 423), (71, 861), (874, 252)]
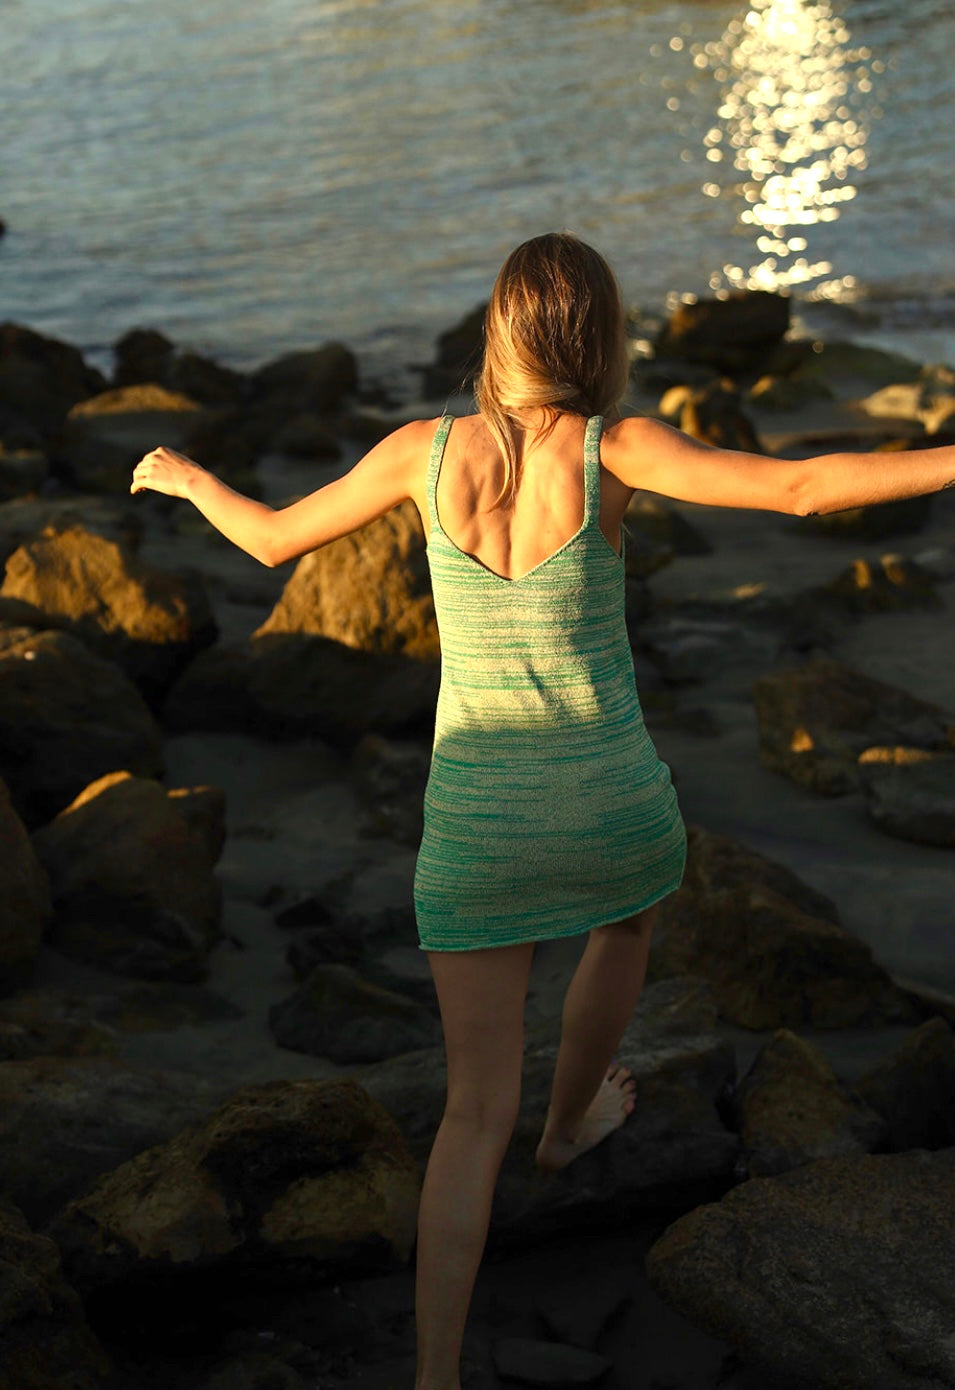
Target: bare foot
[(607, 1111)]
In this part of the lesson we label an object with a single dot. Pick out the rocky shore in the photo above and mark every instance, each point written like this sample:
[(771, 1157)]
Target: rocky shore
[(220, 1058)]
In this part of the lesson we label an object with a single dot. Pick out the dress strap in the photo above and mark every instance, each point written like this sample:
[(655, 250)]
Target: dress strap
[(434, 466), (592, 469)]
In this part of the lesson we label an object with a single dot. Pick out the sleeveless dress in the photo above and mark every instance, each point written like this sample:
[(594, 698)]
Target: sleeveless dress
[(547, 810)]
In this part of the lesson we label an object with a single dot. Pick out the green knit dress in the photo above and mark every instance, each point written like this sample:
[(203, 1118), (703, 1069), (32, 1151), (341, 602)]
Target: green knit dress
[(547, 810)]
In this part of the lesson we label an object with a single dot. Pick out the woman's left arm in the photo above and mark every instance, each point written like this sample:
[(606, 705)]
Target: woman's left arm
[(391, 472)]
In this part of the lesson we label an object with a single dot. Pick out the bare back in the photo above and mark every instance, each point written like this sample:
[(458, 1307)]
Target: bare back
[(512, 538)]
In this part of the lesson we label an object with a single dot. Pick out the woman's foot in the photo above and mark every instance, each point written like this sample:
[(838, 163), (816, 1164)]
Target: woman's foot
[(607, 1111)]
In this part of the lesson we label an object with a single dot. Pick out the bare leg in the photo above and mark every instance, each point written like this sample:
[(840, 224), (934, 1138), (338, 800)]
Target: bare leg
[(590, 1098), (481, 994)]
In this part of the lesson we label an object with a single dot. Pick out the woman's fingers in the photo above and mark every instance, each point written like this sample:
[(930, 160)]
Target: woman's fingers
[(161, 470)]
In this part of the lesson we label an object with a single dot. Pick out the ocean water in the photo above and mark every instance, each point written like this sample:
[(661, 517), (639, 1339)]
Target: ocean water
[(252, 178)]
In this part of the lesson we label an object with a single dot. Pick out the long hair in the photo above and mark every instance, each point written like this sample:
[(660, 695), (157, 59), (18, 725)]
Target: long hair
[(553, 338)]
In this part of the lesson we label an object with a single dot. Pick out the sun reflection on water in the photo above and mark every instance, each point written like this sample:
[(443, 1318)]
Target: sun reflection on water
[(794, 112)]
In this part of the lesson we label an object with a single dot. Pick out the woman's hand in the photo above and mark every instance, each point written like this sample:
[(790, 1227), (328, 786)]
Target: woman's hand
[(165, 470)]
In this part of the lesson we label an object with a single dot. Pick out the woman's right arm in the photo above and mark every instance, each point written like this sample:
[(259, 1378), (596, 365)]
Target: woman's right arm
[(654, 457)]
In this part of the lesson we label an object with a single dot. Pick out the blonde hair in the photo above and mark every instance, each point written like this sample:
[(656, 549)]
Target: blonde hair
[(553, 338)]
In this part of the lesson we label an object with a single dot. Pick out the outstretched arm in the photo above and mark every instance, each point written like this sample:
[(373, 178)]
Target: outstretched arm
[(647, 454), (391, 472)]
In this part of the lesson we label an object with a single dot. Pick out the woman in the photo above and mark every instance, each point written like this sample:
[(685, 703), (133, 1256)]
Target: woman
[(548, 812)]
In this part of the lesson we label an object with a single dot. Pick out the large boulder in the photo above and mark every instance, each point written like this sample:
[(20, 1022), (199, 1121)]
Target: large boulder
[(792, 1108), (66, 718), (837, 1274), (41, 378), (64, 1121), (913, 1089), (316, 379), (771, 946), (714, 414), (370, 590), (149, 622), (674, 1149), (457, 356), (144, 355), (733, 334), (132, 882), (854, 367), (25, 518), (816, 719), (289, 685), (106, 436), (24, 899), (292, 1175), (911, 793), (336, 1013), (47, 1342), (772, 965)]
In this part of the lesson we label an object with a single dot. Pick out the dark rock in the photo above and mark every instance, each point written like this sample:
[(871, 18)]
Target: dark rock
[(329, 946), (836, 1274), (204, 380), (914, 1089), (391, 779), (227, 441), (458, 356), (24, 899), (336, 1013), (734, 334), (716, 863), (41, 378), (306, 435), (309, 910), (142, 355), (552, 1364), (844, 366), (47, 1342), (22, 471), (145, 356), (674, 1148), (911, 793), (815, 720), (793, 1108), (317, 379), (655, 533), (106, 436), (66, 718), (150, 622), (287, 685), (714, 414), (298, 1175), (771, 965), (67, 1023), (64, 1121), (787, 393), (25, 518), (132, 882), (370, 590), (204, 811)]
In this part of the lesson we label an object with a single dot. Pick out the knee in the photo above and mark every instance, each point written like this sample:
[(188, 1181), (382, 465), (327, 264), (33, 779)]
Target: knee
[(638, 927), (490, 1116)]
